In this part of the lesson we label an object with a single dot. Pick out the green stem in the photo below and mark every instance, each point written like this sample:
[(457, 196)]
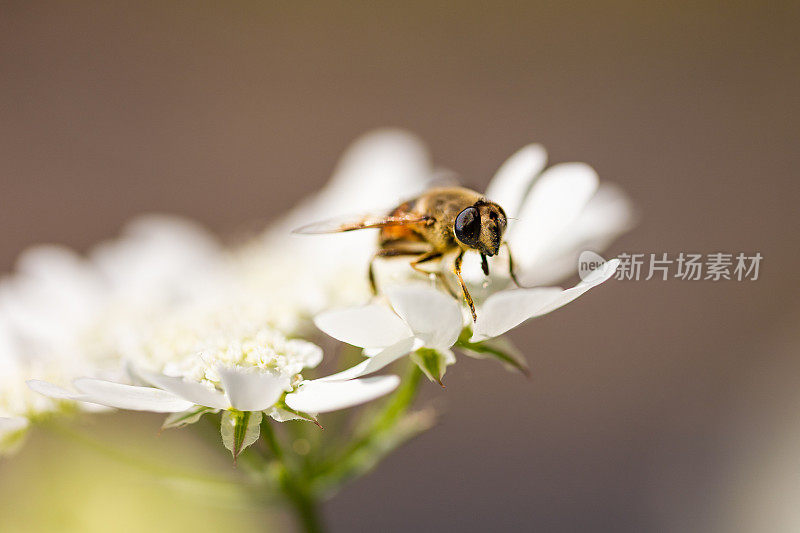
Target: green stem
[(293, 485), (307, 511), (372, 437)]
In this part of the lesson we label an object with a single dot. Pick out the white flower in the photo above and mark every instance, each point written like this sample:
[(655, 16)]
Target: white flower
[(425, 318)]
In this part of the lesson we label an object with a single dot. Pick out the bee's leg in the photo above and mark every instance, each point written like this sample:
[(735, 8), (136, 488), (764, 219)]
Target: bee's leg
[(484, 265), (467, 297), (430, 256), (424, 258), (384, 252), (511, 270)]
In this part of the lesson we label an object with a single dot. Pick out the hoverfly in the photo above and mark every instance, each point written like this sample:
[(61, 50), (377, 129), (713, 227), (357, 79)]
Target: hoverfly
[(440, 221)]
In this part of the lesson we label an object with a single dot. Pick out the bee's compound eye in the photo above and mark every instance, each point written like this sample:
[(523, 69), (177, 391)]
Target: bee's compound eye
[(468, 226)]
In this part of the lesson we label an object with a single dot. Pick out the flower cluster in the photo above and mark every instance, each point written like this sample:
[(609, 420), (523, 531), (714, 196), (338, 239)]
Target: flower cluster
[(167, 319)]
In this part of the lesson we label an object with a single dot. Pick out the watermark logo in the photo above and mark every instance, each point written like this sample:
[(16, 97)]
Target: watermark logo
[(718, 266), (588, 262)]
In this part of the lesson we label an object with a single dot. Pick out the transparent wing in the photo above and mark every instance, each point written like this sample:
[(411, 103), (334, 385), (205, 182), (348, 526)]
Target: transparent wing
[(364, 221)]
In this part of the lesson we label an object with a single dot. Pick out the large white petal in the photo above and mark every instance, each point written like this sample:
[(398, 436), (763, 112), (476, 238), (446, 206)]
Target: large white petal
[(507, 309), (608, 214), (512, 180), (130, 397), (250, 389), (595, 278), (434, 317), (377, 170), (53, 391), (321, 397), (369, 326), (555, 201), (195, 392), (372, 364)]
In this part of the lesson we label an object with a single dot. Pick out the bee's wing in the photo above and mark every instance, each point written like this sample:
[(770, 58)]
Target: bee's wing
[(352, 223)]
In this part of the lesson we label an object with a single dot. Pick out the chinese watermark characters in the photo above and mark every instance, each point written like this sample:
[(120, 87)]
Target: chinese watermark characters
[(717, 266)]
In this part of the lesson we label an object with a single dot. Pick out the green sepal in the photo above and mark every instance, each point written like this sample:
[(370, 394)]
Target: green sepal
[(281, 406), (498, 348), (239, 429), (184, 418), (433, 363)]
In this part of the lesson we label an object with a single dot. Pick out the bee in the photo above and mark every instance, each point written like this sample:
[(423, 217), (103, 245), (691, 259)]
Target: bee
[(439, 222)]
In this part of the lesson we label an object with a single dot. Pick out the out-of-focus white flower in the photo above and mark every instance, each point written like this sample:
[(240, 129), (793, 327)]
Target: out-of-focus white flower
[(18, 405), (52, 297), (62, 315), (554, 214)]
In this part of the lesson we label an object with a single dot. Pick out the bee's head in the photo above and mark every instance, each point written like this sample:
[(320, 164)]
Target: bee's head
[(481, 227)]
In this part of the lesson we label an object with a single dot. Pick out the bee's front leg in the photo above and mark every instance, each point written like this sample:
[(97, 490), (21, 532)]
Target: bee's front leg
[(430, 256), (424, 258), (467, 296), (388, 252)]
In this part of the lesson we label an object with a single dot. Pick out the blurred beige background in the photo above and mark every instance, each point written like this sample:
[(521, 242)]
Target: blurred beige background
[(655, 406)]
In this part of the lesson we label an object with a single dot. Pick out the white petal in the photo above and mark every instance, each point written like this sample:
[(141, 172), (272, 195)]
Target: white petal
[(608, 214), (130, 397), (376, 171), (555, 200), (514, 178), (195, 392), (597, 276), (369, 326), (373, 364), (434, 316), (250, 389), (507, 309), (321, 397), (51, 390)]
